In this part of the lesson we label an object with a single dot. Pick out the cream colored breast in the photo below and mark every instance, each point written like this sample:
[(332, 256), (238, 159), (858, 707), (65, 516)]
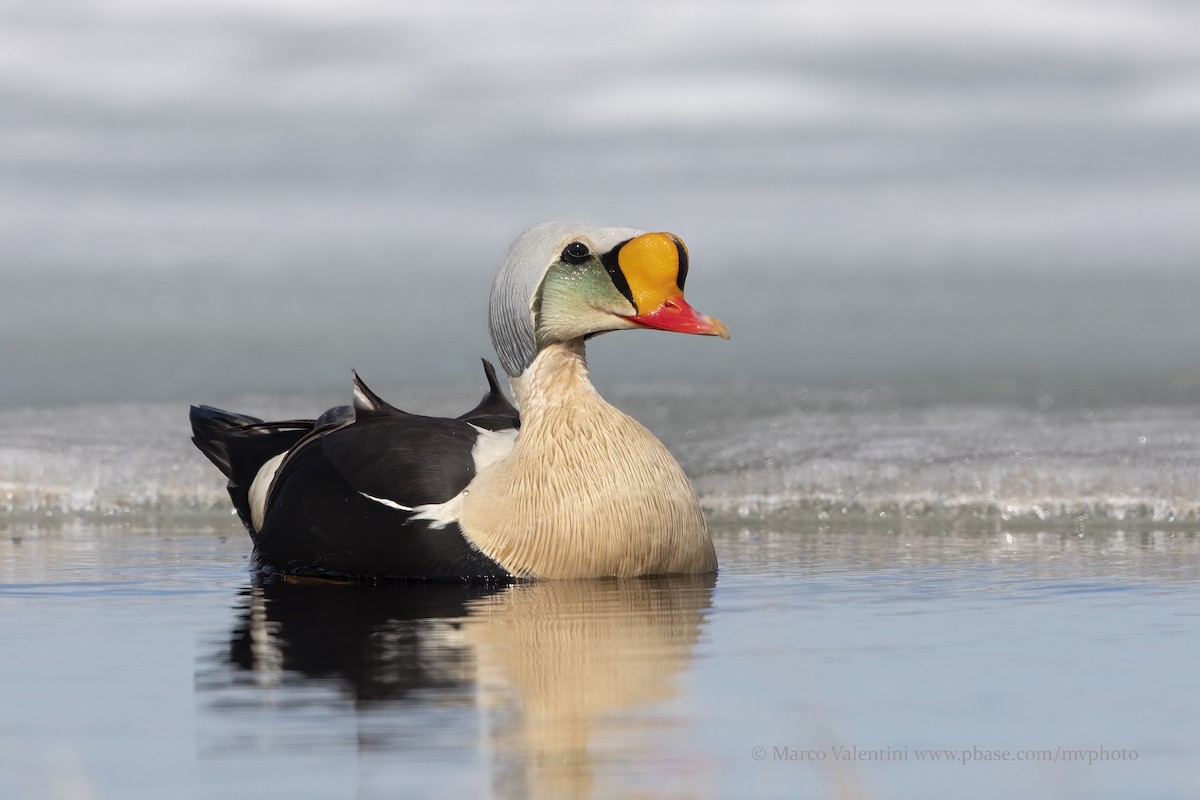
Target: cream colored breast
[(586, 491)]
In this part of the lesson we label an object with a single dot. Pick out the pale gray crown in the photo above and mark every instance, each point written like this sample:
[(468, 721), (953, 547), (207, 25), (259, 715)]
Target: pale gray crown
[(510, 312)]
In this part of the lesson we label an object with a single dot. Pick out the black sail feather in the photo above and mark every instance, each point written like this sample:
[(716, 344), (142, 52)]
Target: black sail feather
[(494, 412), (367, 402)]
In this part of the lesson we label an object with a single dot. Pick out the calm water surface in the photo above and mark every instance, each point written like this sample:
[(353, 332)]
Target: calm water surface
[(139, 659)]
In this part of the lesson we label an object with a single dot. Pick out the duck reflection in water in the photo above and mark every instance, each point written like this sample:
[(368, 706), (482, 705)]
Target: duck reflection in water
[(558, 669)]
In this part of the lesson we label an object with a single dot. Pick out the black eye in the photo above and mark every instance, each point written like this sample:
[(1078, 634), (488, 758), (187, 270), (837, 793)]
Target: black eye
[(576, 253)]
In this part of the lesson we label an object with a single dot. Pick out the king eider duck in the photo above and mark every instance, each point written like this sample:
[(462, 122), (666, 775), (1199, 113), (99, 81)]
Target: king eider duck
[(569, 488)]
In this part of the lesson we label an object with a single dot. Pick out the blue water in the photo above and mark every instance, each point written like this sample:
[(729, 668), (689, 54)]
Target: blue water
[(138, 658)]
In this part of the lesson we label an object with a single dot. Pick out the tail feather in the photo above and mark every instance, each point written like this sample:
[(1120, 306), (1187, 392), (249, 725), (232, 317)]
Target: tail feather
[(239, 445)]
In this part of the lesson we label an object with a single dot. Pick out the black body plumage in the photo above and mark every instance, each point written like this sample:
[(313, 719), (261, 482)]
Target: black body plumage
[(382, 645), (345, 499)]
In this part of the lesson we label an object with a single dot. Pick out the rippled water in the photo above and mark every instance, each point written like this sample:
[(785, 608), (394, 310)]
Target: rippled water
[(137, 658)]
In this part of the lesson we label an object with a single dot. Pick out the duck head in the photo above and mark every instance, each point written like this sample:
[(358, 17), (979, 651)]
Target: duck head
[(563, 281)]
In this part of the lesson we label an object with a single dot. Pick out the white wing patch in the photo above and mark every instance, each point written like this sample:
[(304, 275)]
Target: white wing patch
[(386, 502), (491, 446), (257, 496)]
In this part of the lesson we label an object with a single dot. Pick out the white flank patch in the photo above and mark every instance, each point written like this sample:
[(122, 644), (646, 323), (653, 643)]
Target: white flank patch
[(257, 496), (439, 515), (490, 447), (386, 502)]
